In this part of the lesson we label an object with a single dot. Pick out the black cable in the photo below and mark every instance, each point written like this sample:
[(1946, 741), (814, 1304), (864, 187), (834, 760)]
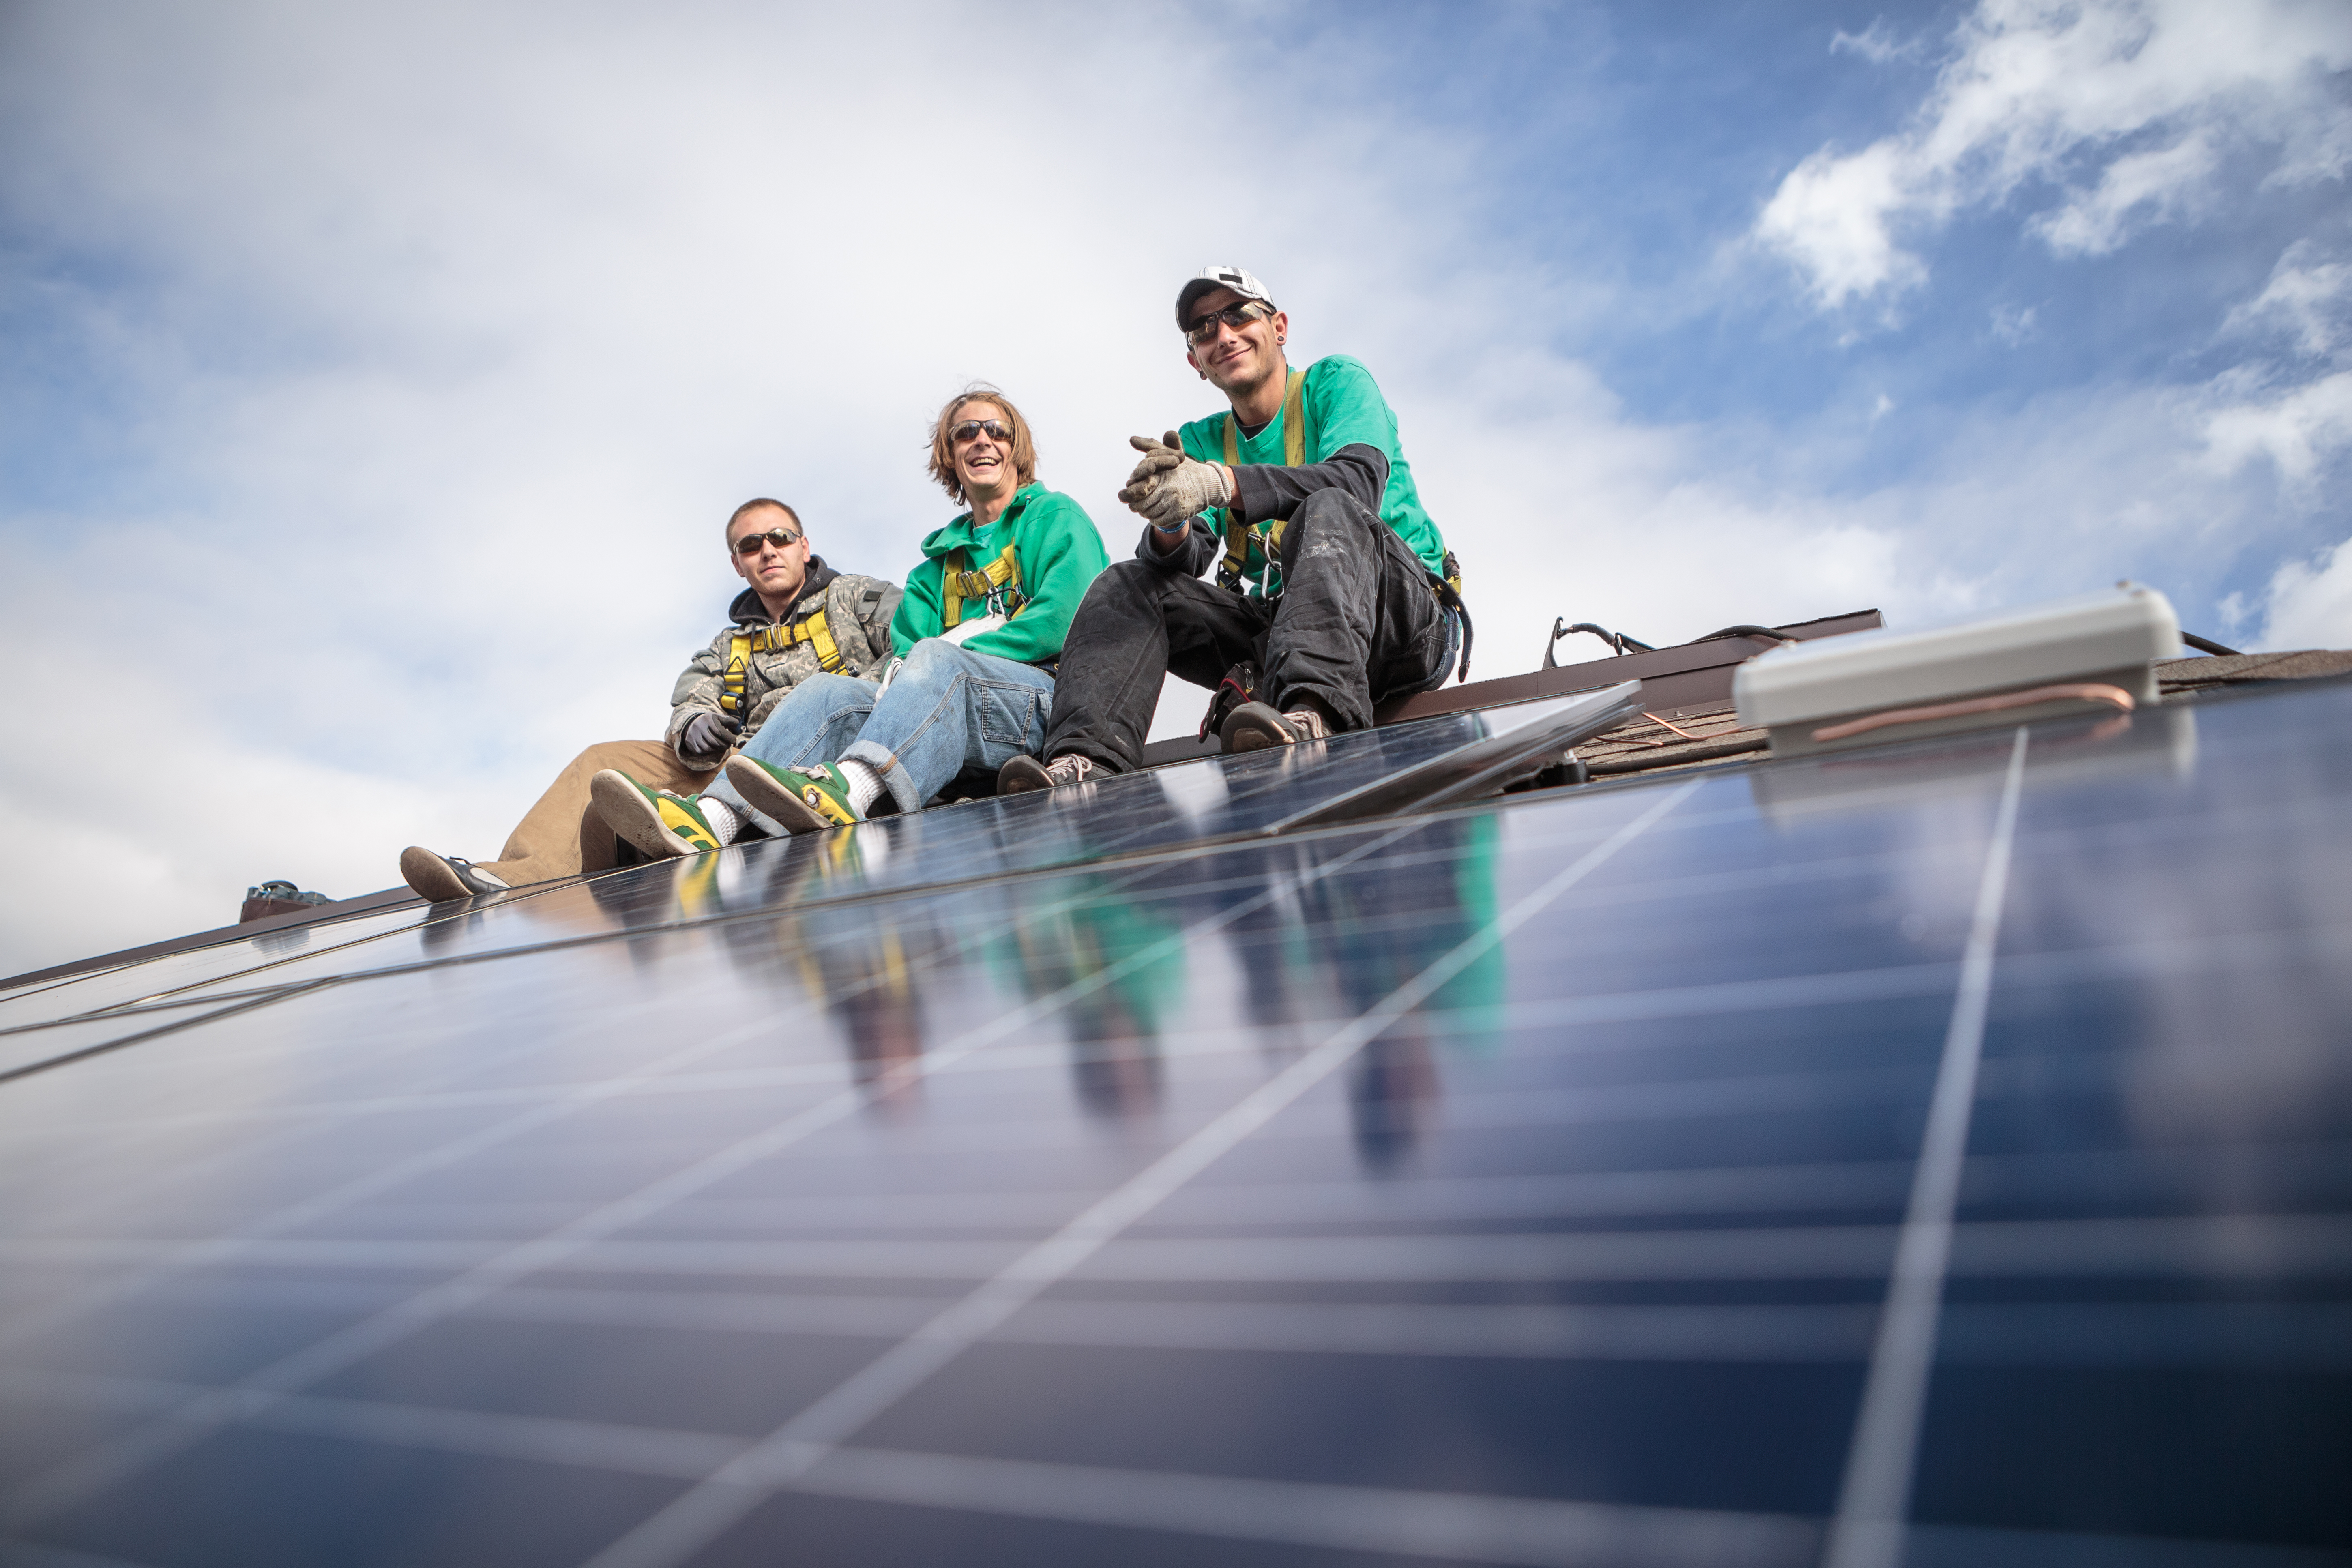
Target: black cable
[(2207, 645), (1745, 630), (1619, 643)]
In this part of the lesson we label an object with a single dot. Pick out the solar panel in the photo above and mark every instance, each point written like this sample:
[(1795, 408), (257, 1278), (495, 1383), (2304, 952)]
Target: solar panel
[(1932, 1154), (1161, 810)]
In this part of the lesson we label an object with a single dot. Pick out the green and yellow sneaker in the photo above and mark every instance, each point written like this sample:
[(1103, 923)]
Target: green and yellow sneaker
[(657, 822), (805, 800)]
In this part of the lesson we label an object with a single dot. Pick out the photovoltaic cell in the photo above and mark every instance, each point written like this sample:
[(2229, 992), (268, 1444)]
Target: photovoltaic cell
[(1602, 1176)]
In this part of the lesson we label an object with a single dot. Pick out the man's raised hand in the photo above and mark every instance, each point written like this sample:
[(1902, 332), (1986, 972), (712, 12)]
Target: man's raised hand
[(1169, 487), (1159, 457)]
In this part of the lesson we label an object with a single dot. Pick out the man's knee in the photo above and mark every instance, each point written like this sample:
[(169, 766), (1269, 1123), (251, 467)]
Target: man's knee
[(931, 657), (1124, 583), (833, 691), (1329, 509), (1323, 505), (631, 757), (1329, 525)]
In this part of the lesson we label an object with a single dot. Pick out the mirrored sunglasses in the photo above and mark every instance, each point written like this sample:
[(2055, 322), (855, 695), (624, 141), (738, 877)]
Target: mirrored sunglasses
[(997, 430), (1204, 328), (751, 543)]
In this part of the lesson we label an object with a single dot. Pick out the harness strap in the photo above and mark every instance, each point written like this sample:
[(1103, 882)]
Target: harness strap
[(1447, 586), (780, 638), (1238, 539), (957, 584)]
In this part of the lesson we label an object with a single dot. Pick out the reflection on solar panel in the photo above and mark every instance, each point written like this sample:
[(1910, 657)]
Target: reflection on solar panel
[(1938, 1153)]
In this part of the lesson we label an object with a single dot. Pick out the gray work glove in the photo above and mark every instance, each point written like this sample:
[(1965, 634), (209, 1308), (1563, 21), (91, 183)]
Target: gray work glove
[(708, 735), (1159, 457), (1169, 487)]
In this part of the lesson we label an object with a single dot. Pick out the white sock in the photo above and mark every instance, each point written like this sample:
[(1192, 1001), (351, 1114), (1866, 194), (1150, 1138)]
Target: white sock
[(865, 784), (725, 821)]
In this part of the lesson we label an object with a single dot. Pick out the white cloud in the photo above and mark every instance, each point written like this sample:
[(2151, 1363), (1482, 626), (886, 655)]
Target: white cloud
[(1830, 215), (2150, 187), (2297, 430), (2308, 301), (2148, 94), (1876, 43), (2310, 604)]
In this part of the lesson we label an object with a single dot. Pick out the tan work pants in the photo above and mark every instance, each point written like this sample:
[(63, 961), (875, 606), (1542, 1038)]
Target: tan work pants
[(562, 836)]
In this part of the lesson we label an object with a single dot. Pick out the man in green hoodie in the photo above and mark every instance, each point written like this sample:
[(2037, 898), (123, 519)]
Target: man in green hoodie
[(978, 637)]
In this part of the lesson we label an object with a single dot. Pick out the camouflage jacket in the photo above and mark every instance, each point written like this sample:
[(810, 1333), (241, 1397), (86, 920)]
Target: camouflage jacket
[(857, 612)]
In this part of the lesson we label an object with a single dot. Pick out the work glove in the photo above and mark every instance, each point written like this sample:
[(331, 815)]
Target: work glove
[(1169, 487), (889, 674), (1159, 457), (708, 735)]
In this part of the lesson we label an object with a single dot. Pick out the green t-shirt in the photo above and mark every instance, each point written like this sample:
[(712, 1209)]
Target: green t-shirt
[(1344, 407)]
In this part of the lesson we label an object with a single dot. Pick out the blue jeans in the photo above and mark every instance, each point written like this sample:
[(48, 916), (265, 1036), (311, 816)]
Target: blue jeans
[(947, 709)]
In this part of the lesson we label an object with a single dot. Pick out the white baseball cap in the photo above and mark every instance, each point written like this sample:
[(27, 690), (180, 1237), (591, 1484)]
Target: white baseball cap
[(1213, 278)]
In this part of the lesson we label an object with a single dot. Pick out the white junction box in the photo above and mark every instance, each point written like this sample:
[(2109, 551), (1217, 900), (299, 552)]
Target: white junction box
[(2092, 654)]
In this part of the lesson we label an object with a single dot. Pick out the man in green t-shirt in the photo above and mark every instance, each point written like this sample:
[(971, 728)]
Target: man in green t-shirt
[(1332, 590)]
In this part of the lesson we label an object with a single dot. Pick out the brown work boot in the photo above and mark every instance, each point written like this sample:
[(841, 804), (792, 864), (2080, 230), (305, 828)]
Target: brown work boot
[(1023, 774), (438, 878), (1256, 725)]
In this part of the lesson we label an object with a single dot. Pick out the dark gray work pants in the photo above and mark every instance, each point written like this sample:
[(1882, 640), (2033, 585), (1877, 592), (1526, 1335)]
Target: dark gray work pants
[(1355, 624)]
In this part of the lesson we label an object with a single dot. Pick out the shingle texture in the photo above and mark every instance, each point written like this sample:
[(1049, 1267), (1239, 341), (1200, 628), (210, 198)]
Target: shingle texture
[(1651, 745)]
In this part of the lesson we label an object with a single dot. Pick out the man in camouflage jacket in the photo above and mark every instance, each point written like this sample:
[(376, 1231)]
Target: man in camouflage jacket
[(795, 617), (836, 623)]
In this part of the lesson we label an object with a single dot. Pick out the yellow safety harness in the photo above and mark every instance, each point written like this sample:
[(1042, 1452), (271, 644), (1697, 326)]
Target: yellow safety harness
[(777, 638), (1239, 538), (957, 584)]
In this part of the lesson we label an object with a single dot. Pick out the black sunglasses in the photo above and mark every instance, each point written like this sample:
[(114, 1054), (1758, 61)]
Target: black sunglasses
[(751, 543), (1201, 329), (996, 428)]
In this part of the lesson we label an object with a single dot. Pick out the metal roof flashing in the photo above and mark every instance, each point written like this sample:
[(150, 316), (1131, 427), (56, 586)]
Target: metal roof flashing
[(2084, 654)]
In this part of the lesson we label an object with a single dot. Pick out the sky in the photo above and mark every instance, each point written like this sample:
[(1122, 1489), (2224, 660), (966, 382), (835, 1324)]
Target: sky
[(375, 381)]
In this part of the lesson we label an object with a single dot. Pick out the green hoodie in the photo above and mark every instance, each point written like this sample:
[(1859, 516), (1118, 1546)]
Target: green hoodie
[(1055, 552)]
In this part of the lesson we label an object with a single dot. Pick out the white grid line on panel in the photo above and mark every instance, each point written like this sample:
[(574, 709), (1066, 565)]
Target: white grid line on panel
[(562, 1100), (262, 1142), (1461, 1527), (692, 1521), (179, 1256), (1739, 997), (2216, 951), (1452, 1526), (1875, 1496), (2287, 1246), (2311, 1179), (111, 1463), (1465, 1527)]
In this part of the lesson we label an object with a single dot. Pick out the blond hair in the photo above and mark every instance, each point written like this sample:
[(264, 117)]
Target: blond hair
[(1025, 448)]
